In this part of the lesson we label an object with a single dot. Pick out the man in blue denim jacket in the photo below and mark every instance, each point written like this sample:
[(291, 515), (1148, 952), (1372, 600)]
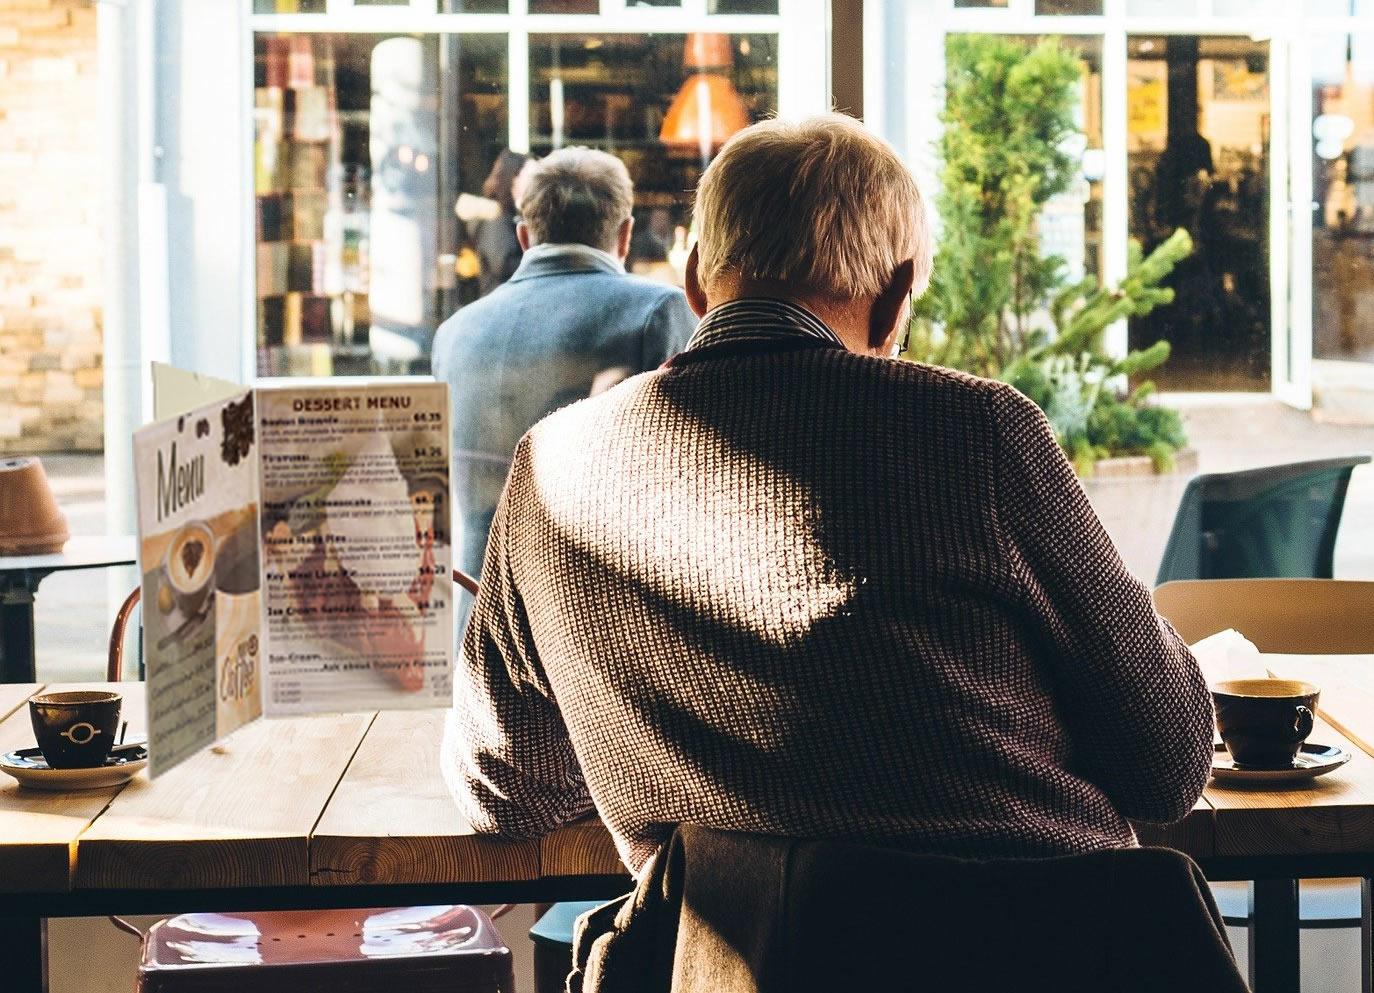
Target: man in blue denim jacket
[(571, 322)]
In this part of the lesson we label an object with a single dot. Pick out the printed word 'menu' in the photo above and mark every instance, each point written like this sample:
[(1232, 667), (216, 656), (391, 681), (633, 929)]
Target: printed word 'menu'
[(178, 483)]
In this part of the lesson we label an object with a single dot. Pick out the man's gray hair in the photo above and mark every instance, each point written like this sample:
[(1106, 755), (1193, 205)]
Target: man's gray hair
[(822, 205), (576, 195)]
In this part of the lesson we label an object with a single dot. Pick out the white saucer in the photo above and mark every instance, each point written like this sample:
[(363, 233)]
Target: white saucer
[(28, 766), (1311, 761)]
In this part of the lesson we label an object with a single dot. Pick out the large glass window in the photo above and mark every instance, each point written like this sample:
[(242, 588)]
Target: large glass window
[(383, 164), (641, 98), (362, 145)]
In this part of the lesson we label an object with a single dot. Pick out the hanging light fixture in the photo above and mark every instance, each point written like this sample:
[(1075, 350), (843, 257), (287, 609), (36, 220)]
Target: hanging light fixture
[(707, 109)]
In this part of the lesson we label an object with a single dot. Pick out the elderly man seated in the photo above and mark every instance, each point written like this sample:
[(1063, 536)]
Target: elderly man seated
[(789, 585)]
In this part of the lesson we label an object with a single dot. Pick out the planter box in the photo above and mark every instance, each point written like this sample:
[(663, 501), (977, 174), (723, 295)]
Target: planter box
[(1137, 506)]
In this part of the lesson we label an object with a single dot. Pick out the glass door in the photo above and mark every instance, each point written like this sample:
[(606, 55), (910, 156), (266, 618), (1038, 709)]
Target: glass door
[(1199, 121), (1337, 151)]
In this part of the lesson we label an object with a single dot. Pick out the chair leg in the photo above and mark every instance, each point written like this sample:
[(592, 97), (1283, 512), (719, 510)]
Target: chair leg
[(24, 950)]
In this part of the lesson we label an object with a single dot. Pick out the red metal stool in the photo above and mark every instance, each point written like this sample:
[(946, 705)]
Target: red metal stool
[(446, 949)]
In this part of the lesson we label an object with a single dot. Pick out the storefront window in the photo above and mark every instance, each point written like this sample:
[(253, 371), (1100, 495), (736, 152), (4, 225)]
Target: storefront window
[(1343, 198), (1198, 152), (636, 96), (362, 145), (381, 161)]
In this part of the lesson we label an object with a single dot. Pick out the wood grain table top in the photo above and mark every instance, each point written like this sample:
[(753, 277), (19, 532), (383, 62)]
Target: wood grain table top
[(358, 799)]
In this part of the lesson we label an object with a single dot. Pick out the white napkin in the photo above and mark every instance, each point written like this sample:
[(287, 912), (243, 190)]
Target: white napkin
[(1228, 655)]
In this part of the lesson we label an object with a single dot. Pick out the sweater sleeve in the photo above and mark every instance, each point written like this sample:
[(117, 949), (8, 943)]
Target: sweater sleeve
[(507, 757), (1132, 696)]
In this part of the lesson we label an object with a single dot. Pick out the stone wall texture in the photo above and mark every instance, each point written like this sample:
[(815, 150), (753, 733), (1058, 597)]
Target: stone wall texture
[(51, 378)]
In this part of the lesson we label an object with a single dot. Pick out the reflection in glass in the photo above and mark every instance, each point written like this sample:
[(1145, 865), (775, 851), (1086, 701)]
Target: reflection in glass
[(1198, 154), (1068, 6), (362, 144), (980, 3), (565, 6), (288, 6), (741, 6), (619, 93), (473, 7), (1343, 198)]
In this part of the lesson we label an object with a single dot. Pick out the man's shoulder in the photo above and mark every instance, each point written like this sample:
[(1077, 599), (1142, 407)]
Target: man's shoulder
[(908, 374), (629, 285)]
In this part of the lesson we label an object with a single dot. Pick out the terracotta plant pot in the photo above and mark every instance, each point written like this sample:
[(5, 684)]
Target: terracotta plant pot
[(30, 521)]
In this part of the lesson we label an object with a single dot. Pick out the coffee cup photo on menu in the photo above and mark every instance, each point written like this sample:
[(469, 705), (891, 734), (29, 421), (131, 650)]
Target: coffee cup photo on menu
[(197, 509)]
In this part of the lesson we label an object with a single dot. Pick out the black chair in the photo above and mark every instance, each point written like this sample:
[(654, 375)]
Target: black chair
[(733, 913), (1276, 521)]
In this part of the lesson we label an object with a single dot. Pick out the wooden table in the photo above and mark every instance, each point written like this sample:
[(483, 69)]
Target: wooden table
[(19, 579), (335, 811), (351, 811)]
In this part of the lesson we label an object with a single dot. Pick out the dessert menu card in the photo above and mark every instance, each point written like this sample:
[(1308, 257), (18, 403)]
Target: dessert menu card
[(294, 548)]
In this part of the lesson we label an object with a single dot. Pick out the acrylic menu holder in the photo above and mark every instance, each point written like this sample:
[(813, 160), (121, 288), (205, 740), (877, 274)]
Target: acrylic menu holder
[(294, 549)]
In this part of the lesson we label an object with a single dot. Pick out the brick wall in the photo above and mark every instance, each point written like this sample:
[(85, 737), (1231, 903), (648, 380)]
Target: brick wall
[(51, 396)]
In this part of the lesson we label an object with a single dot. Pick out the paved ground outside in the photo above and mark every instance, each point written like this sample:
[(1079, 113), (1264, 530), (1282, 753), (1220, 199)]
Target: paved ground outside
[(1233, 431)]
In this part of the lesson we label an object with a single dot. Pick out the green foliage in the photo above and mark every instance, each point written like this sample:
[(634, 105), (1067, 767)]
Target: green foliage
[(1008, 112)]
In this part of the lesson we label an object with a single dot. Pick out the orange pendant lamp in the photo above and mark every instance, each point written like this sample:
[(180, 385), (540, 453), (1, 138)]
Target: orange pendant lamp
[(707, 109)]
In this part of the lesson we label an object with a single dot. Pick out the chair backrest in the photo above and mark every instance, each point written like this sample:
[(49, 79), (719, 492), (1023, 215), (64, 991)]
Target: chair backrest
[(725, 912), (1302, 616), (465, 581), (1274, 521), (114, 665)]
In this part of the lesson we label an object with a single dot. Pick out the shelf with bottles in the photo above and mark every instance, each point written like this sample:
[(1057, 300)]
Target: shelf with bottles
[(295, 318)]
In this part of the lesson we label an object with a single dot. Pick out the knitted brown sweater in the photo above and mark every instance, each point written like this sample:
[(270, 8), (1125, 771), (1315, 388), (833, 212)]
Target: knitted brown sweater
[(806, 592)]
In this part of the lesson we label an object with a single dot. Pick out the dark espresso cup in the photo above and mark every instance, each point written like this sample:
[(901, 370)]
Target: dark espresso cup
[(76, 729), (1263, 722)]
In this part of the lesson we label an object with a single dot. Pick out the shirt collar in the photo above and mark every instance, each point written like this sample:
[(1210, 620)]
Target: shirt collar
[(550, 257), (760, 319)]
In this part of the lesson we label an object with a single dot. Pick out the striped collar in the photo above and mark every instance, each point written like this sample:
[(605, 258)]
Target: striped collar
[(760, 319)]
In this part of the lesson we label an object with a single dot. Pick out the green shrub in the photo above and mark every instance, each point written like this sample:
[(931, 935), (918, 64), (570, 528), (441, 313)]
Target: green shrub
[(1008, 114)]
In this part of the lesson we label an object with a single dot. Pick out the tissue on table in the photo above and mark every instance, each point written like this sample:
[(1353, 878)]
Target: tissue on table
[(1228, 655)]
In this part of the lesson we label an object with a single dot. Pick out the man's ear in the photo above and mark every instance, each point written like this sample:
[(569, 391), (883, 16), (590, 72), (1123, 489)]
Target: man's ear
[(622, 238), (696, 296), (889, 308), (522, 235)]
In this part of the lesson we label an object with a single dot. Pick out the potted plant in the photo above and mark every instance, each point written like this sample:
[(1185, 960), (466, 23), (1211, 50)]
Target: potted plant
[(1000, 307)]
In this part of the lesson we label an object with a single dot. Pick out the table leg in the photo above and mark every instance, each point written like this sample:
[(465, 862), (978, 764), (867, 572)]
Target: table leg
[(1274, 965), (1366, 935), (16, 634), (24, 950)]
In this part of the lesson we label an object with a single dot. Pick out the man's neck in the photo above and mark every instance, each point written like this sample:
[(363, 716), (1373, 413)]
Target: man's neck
[(847, 318)]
